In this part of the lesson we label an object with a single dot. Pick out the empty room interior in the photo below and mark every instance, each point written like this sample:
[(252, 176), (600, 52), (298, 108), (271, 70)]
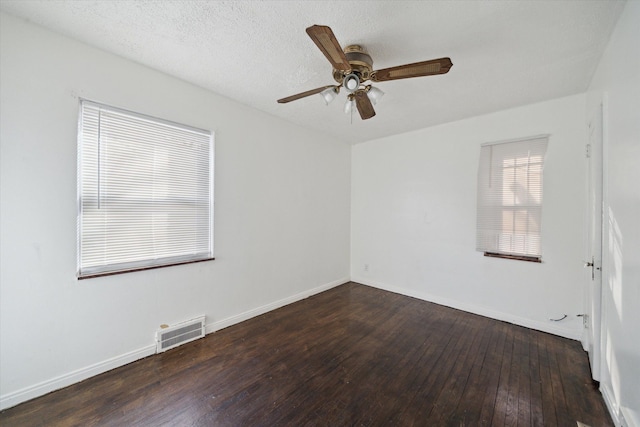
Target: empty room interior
[(320, 213)]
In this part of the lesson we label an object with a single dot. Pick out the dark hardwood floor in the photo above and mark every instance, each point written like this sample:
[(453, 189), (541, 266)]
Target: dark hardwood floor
[(351, 356)]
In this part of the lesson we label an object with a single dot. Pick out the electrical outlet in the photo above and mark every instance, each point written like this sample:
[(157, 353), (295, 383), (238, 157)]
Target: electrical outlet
[(366, 267)]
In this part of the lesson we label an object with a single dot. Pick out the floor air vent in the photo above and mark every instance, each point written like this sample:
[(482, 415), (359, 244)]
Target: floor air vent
[(173, 336)]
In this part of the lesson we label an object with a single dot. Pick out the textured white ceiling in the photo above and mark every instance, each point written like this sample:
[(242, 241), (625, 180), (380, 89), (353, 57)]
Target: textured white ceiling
[(505, 53)]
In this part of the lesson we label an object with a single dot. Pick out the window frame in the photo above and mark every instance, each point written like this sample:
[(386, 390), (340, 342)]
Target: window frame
[(107, 269)]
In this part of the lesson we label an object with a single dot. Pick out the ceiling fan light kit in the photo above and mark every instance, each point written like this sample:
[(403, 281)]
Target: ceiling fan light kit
[(374, 94), (351, 82), (353, 68), (329, 94), (349, 105)]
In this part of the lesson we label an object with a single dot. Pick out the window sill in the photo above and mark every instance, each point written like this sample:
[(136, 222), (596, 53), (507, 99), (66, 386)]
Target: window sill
[(111, 273), (515, 257)]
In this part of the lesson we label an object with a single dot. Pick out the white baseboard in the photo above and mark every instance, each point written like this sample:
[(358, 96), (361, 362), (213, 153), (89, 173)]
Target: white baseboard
[(612, 406), (475, 309), (621, 415), (629, 418), (14, 398), (229, 321)]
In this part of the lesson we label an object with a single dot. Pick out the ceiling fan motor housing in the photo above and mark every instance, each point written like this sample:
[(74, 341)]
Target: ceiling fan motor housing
[(360, 61)]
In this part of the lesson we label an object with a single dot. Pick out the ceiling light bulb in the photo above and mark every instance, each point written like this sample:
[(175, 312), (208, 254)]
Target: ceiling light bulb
[(374, 94), (329, 94), (348, 107), (351, 82)]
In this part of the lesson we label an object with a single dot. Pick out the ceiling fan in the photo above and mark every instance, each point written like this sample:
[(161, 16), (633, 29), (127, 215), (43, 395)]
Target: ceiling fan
[(353, 70)]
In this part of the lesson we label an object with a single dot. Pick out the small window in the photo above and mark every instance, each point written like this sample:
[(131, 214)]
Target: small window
[(145, 192), (509, 211)]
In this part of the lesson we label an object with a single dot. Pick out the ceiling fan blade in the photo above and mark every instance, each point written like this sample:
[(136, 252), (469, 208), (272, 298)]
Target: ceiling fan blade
[(365, 108), (303, 94), (326, 41), (417, 69)]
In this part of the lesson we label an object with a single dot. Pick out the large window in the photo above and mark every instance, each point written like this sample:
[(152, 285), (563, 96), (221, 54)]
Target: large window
[(145, 192), (510, 198)]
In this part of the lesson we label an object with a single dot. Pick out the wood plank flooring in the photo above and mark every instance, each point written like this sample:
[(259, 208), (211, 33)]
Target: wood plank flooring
[(351, 356)]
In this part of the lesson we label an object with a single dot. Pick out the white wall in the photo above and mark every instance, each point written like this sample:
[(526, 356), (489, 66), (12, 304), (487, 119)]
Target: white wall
[(281, 224), (413, 218), (617, 83)]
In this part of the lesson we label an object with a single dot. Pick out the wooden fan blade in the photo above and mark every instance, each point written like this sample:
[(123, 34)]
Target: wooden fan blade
[(417, 69), (303, 94), (323, 37), (365, 108)]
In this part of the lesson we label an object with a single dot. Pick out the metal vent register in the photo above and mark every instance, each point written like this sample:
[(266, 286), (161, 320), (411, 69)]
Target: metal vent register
[(173, 336)]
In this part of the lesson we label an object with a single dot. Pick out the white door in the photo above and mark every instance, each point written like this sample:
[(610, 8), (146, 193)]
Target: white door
[(593, 253)]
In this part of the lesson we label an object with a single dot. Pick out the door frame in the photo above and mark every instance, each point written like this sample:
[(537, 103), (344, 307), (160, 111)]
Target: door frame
[(594, 277)]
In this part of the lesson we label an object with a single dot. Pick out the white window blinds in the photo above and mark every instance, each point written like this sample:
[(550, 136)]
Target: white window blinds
[(145, 189), (509, 211)]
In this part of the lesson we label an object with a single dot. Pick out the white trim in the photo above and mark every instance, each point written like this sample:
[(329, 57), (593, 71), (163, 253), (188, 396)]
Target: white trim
[(629, 418), (12, 399), (605, 262), (475, 309), (229, 321), (610, 401)]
